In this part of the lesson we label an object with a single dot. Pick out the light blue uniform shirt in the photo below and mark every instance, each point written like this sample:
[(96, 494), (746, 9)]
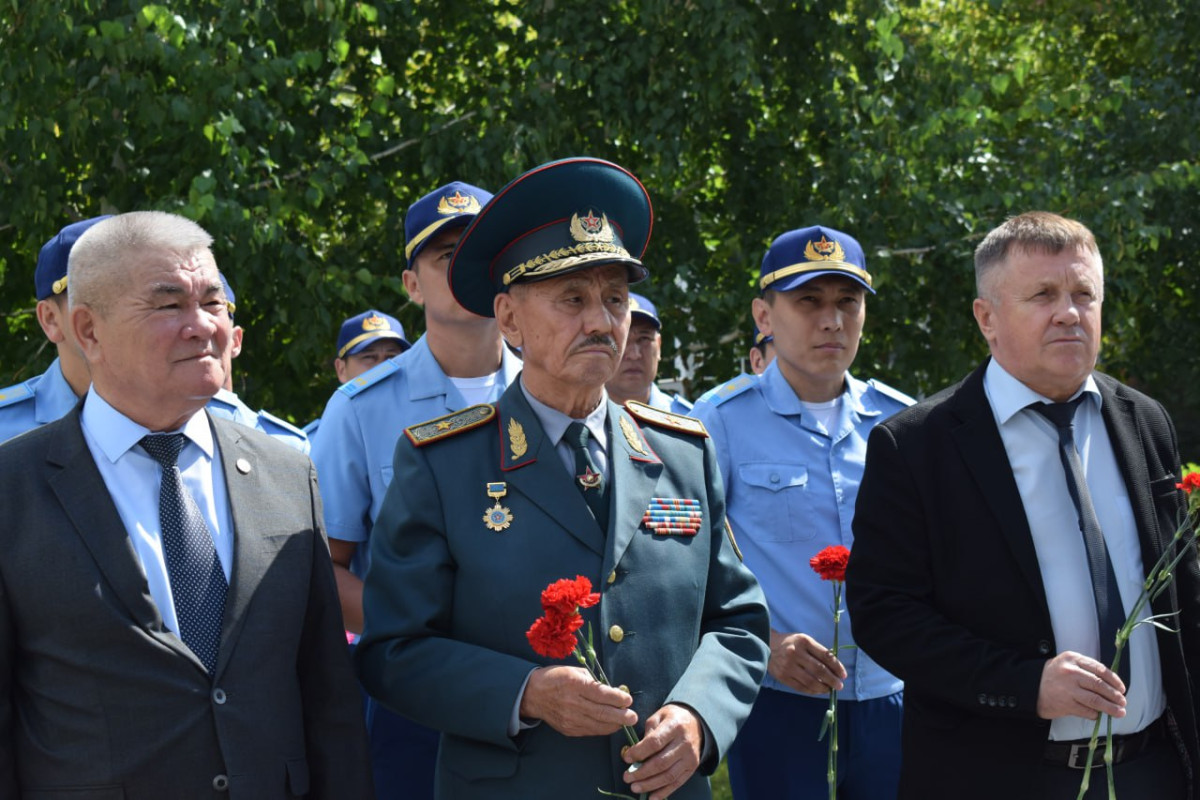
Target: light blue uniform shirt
[(790, 488), (227, 405), (668, 402), (41, 399), (133, 480), (362, 422)]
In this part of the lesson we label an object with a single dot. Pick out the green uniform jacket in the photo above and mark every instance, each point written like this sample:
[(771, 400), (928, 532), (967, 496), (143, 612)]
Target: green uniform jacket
[(448, 600)]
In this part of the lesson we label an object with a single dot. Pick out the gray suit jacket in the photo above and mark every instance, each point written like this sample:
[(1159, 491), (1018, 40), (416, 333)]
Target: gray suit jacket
[(99, 701)]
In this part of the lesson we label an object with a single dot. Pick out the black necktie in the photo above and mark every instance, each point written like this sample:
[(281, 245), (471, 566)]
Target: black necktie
[(1109, 611), (587, 477), (198, 583)]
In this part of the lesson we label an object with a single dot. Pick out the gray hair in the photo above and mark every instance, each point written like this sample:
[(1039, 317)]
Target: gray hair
[(1037, 232), (101, 260)]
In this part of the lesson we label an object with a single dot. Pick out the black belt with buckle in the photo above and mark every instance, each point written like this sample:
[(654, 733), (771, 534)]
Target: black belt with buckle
[(1074, 754)]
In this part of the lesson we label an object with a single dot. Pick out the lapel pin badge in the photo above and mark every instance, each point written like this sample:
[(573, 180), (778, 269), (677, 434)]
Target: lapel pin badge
[(497, 518), (243, 466)]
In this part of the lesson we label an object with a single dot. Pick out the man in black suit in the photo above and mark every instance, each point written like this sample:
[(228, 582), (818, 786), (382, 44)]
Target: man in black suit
[(988, 578), (169, 625)]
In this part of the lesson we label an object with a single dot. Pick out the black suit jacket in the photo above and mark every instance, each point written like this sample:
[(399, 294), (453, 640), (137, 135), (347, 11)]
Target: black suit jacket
[(99, 701), (944, 588)]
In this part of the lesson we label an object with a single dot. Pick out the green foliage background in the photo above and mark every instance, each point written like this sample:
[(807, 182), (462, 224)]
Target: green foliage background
[(298, 133)]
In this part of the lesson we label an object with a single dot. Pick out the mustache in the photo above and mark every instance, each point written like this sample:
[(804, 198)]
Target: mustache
[(599, 339)]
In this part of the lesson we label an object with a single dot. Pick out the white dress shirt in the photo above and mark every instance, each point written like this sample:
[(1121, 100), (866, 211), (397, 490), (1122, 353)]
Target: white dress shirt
[(133, 480), (1031, 442)]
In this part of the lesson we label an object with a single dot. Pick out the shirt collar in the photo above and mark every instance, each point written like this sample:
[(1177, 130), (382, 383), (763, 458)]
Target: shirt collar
[(1009, 396), (116, 433), (782, 399), (555, 422)]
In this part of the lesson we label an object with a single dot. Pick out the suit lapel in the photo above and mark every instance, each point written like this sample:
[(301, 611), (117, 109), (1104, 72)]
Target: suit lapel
[(532, 467), (76, 481), (634, 469), (982, 450), (1130, 451), (252, 552)]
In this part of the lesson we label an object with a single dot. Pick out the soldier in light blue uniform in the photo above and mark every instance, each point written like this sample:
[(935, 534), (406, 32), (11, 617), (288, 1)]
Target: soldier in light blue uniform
[(791, 446), (461, 360), (364, 341), (227, 405), (639, 366), (49, 396)]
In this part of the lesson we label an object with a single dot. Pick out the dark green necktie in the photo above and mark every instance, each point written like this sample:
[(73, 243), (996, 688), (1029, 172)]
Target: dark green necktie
[(587, 478)]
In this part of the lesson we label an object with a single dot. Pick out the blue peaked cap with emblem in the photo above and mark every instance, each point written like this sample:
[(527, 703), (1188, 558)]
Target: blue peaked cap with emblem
[(451, 206), (761, 338), (362, 330), (797, 257), (641, 307), (230, 298), (50, 276), (555, 219)]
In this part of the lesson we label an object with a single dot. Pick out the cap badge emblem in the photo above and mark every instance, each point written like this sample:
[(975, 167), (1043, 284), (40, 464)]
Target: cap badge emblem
[(824, 250), (591, 228), (458, 203), (375, 323)]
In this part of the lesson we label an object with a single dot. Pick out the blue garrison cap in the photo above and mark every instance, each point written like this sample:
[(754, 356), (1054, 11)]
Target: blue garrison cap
[(450, 206), (761, 338), (557, 218), (230, 298), (362, 330), (639, 306), (797, 257), (50, 276)]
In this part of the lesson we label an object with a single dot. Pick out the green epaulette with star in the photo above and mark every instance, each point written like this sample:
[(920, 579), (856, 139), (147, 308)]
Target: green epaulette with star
[(666, 419), (450, 425)]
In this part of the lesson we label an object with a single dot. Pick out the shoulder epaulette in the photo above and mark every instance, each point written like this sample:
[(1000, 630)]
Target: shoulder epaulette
[(271, 419), (369, 378), (729, 389), (665, 419), (887, 391), (15, 394), (450, 425)]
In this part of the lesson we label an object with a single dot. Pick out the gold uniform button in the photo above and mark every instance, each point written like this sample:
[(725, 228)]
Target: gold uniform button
[(612, 577), (616, 633)]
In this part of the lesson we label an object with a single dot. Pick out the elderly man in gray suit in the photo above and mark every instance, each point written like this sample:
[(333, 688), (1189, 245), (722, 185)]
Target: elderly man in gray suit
[(169, 626)]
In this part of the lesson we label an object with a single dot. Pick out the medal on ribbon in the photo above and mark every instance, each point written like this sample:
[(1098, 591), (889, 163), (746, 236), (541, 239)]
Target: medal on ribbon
[(497, 518)]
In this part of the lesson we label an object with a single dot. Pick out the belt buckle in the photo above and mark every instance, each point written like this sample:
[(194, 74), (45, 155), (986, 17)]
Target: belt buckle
[(1077, 759)]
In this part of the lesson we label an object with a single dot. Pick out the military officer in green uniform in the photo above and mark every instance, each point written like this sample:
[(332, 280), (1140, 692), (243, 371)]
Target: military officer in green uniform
[(491, 504)]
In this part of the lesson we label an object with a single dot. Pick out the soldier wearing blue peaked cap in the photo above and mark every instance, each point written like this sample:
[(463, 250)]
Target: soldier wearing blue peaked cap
[(490, 505), (459, 361), (226, 403), (50, 395), (791, 445), (639, 366)]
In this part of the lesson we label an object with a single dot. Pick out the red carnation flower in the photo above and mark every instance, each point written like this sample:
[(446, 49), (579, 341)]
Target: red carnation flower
[(830, 563), (553, 636), (1190, 481), (567, 596)]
